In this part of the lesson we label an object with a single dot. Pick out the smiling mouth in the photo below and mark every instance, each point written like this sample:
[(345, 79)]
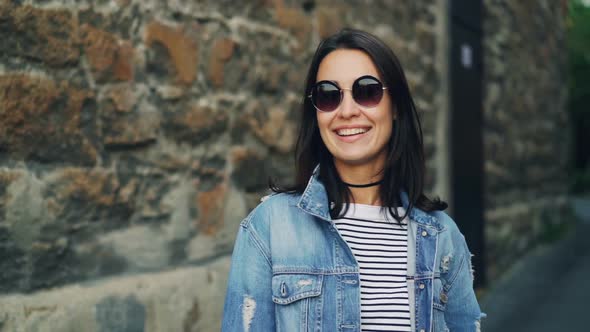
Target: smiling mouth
[(351, 131)]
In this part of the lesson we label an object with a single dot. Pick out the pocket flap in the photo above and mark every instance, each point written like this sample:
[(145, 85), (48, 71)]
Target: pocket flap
[(287, 288)]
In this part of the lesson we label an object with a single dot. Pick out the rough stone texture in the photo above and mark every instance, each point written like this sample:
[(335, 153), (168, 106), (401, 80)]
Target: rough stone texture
[(136, 135), (221, 52), (43, 120), (38, 35), (128, 120), (195, 124), (296, 21), (172, 140), (166, 301), (329, 20), (108, 56), (120, 314), (525, 131), (181, 47), (273, 126)]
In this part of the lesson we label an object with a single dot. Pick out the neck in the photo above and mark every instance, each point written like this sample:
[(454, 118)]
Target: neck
[(362, 175)]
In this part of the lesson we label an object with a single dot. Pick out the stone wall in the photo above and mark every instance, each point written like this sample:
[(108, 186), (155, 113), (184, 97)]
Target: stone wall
[(135, 135), (525, 127)]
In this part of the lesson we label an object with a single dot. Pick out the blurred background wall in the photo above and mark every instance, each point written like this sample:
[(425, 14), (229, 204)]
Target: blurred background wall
[(135, 136), (526, 130)]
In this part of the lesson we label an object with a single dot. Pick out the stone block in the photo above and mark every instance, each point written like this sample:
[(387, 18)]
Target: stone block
[(220, 212), (329, 20), (195, 124), (52, 262), (42, 120), (295, 21), (80, 197), (221, 52), (181, 46), (128, 119), (110, 58), (250, 170), (272, 125), (210, 206), (25, 209), (45, 35), (118, 314)]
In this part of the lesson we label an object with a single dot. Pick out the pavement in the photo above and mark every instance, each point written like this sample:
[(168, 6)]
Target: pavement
[(549, 289)]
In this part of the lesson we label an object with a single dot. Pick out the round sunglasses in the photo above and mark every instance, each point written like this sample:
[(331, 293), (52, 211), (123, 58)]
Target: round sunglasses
[(367, 92)]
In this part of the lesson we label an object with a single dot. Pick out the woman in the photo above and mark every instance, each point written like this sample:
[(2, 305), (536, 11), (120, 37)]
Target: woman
[(354, 245)]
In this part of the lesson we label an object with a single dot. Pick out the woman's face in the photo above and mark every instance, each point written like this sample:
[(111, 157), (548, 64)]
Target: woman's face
[(354, 135)]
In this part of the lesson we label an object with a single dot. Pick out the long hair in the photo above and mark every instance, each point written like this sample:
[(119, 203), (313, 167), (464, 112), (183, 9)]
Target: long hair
[(404, 168)]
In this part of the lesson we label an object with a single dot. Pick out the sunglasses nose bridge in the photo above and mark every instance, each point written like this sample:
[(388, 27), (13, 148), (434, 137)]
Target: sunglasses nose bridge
[(342, 93), (348, 106)]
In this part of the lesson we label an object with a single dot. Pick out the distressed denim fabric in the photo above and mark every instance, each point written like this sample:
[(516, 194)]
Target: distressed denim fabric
[(292, 271)]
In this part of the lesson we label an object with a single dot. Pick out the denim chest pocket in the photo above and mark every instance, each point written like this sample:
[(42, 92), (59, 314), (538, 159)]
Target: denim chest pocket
[(440, 300), (298, 301)]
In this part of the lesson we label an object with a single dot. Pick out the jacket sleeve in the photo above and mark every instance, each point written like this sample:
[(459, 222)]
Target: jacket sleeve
[(463, 313), (248, 302)]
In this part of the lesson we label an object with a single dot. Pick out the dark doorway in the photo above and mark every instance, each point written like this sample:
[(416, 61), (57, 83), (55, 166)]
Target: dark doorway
[(466, 162)]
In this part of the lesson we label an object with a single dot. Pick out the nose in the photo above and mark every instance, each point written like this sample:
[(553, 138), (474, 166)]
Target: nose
[(348, 107)]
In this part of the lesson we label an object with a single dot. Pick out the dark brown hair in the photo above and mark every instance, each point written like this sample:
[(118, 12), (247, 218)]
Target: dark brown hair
[(405, 165)]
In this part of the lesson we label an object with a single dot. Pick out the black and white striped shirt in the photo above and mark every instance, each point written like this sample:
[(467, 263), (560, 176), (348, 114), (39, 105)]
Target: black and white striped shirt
[(380, 247)]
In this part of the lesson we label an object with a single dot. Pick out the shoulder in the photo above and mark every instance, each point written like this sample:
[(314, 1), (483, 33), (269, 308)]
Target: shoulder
[(261, 222), (445, 221), (449, 228), (269, 206)]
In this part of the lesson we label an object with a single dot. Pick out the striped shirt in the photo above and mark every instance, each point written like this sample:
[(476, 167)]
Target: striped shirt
[(379, 245)]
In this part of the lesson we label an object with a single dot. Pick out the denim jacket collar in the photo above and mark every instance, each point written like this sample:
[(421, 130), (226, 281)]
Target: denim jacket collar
[(314, 201)]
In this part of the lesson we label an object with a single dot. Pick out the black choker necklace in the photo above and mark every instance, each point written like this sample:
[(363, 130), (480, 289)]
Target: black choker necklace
[(363, 185)]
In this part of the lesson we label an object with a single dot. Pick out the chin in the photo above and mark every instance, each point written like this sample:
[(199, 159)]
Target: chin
[(359, 157), (353, 160)]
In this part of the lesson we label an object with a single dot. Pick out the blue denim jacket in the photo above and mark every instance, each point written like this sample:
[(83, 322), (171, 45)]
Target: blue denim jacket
[(292, 271)]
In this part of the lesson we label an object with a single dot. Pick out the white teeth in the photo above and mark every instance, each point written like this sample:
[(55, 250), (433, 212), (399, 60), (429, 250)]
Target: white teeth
[(351, 131)]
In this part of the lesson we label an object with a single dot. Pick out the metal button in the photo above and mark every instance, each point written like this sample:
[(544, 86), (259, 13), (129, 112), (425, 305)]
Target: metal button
[(421, 286), (422, 330), (443, 297), (424, 233)]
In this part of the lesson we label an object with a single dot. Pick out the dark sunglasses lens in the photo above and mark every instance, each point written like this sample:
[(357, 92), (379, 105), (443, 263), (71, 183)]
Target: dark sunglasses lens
[(326, 97), (367, 91)]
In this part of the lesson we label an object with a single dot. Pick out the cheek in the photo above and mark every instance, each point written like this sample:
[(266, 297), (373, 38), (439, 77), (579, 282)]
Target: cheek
[(323, 121), (386, 121)]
